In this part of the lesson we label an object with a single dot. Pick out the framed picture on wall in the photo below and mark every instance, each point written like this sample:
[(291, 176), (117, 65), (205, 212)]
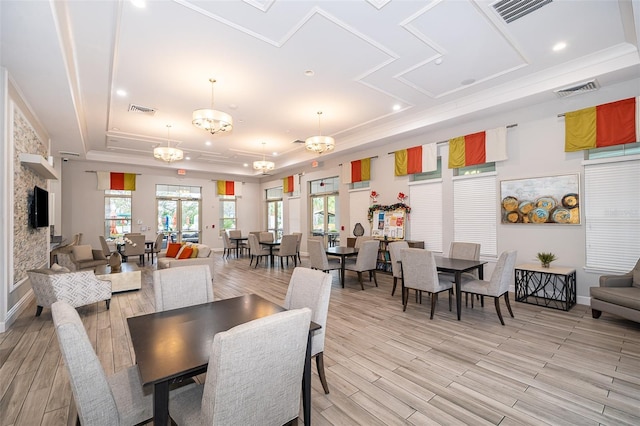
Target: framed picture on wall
[(539, 200)]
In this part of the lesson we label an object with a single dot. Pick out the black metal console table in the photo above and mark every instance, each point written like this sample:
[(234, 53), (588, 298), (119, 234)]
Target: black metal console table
[(553, 287)]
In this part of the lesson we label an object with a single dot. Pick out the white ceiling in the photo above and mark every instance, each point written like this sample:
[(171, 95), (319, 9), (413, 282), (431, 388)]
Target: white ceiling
[(68, 59)]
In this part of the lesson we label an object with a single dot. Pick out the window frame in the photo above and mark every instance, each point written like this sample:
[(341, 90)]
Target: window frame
[(114, 194)]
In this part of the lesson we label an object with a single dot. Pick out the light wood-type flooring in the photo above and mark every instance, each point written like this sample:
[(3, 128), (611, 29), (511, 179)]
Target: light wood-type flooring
[(384, 366)]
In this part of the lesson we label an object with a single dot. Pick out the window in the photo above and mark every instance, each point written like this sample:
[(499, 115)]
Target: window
[(360, 185), (614, 151), (475, 211), (612, 214), (324, 206), (475, 169), (426, 214), (435, 174), (117, 213), (228, 214), (178, 212), (274, 211)]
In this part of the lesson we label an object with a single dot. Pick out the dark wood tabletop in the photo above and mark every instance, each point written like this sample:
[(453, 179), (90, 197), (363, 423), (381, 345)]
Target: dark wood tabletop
[(173, 345)]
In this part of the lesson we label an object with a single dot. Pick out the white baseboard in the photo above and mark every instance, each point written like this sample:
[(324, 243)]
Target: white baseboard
[(16, 310)]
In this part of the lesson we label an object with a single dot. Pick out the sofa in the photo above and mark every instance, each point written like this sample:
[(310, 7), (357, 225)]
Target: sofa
[(82, 258), (201, 254), (618, 295), (76, 288)]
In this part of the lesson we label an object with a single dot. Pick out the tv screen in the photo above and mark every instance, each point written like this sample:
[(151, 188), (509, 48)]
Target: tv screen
[(39, 215)]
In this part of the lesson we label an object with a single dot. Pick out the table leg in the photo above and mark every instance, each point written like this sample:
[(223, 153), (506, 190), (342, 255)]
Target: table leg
[(306, 384), (458, 293), (161, 404), (342, 262)]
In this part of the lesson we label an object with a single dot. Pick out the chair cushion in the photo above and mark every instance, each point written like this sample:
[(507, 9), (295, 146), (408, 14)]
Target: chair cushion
[(81, 253), (173, 248), (623, 296)]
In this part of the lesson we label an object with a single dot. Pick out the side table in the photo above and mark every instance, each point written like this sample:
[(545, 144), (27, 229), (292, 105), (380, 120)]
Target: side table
[(553, 287)]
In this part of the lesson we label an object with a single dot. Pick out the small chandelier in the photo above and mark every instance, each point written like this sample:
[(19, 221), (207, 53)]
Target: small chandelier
[(211, 120), (167, 153), (263, 165), (320, 143)]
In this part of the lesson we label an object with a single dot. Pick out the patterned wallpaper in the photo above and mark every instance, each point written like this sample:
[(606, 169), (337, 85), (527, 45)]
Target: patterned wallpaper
[(30, 248)]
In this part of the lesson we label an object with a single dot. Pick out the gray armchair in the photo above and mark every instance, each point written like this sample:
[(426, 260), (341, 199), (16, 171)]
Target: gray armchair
[(82, 258), (618, 295)]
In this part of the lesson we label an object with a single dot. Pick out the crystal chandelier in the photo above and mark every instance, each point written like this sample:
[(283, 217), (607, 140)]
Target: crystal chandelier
[(168, 153), (263, 165), (211, 120), (320, 143)]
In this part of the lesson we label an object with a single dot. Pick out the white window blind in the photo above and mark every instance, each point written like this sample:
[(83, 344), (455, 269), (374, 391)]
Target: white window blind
[(475, 212), (425, 220), (294, 215), (358, 210), (612, 215)]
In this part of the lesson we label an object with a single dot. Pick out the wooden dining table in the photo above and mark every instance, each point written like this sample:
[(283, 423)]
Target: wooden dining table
[(271, 245), (172, 346), (342, 252), (457, 267), (238, 241)]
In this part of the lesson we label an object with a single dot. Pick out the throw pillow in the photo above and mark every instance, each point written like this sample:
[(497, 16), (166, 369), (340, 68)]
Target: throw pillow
[(203, 250), (185, 253), (81, 253), (57, 268), (172, 249), (194, 252)]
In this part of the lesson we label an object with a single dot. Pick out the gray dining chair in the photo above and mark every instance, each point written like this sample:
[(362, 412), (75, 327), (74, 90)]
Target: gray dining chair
[(175, 288), (257, 250), (498, 285), (366, 261), (156, 248), (227, 244), (318, 257), (396, 269), (287, 249), (118, 399), (106, 251), (299, 236), (266, 237), (419, 272), (466, 251), (312, 289), (135, 248), (253, 377)]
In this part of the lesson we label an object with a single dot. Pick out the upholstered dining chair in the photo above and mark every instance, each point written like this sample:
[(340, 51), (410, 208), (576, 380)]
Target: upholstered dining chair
[(318, 257), (182, 286), (157, 247), (257, 251), (419, 272), (467, 251), (366, 261), (266, 237), (106, 251), (236, 233), (498, 285), (312, 289), (288, 246), (100, 400), (136, 248), (396, 269), (361, 239), (228, 245), (299, 236), (253, 377)]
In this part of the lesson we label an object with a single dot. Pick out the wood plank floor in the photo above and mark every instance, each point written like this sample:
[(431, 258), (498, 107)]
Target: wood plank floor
[(384, 366)]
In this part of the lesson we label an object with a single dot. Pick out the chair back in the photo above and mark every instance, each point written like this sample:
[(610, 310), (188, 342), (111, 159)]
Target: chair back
[(311, 289), (317, 255), (91, 391), (266, 237), (77, 239), (467, 251), (360, 240), (299, 236), (503, 273), (105, 247), (227, 242), (136, 247), (254, 244), (394, 253), (255, 370), (367, 255), (288, 245), (157, 246), (234, 233), (182, 286), (419, 270)]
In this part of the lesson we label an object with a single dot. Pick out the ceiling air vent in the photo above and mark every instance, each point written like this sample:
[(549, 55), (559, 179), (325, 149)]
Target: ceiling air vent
[(141, 109), (584, 87), (510, 10)]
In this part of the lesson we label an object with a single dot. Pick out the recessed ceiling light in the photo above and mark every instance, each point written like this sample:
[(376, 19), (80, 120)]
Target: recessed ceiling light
[(438, 61), (187, 158), (559, 46), (139, 3), (468, 81), (208, 143), (274, 153), (396, 107), (245, 165), (309, 73), (121, 92)]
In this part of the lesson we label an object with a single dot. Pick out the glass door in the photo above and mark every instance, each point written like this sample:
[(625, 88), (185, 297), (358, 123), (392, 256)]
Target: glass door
[(179, 220), (324, 221), (274, 218)]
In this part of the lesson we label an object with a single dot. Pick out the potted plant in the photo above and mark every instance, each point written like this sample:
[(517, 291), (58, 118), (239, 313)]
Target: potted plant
[(546, 258)]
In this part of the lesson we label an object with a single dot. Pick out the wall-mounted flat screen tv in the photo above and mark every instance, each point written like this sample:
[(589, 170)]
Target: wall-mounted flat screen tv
[(39, 212)]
